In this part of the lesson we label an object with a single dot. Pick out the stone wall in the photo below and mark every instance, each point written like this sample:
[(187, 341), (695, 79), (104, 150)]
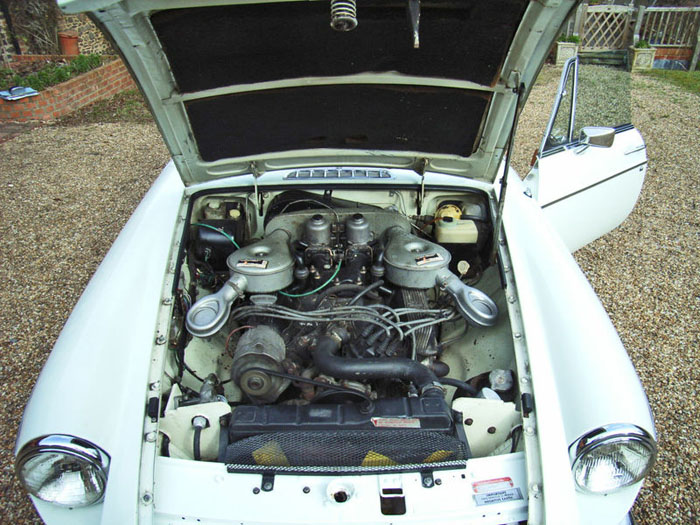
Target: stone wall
[(91, 39), (6, 48)]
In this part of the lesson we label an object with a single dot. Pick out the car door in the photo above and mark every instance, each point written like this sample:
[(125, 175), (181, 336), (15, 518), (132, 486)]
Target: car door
[(587, 179)]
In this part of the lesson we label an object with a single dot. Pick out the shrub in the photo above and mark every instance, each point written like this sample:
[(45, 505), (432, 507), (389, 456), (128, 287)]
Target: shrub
[(51, 74), (642, 44), (569, 38)]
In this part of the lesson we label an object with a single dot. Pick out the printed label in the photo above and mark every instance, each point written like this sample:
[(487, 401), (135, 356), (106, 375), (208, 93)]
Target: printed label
[(427, 259), (492, 485), (252, 263), (396, 422), (500, 496)]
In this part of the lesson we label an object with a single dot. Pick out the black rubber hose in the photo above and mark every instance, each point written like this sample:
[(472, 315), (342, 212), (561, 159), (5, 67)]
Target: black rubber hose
[(463, 385), (341, 288), (375, 368), (371, 287), (196, 444)]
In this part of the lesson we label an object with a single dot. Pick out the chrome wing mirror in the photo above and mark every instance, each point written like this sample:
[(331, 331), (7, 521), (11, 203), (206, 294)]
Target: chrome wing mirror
[(599, 136)]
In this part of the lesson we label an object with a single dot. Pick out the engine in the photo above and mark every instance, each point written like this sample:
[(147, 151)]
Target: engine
[(361, 278), (334, 319)]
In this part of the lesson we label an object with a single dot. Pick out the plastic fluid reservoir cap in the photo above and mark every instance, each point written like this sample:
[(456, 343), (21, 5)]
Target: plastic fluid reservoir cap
[(487, 393), (463, 267)]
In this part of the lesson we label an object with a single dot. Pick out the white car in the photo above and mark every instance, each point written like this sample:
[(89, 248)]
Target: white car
[(332, 306)]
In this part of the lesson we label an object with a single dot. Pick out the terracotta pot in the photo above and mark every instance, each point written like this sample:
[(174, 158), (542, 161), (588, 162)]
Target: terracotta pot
[(68, 40)]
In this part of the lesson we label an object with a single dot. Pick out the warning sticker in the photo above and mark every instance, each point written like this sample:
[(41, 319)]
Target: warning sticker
[(396, 422), (500, 496), (492, 485)]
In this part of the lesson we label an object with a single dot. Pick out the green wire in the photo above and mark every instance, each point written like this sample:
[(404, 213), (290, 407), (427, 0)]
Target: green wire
[(317, 289), (219, 230)]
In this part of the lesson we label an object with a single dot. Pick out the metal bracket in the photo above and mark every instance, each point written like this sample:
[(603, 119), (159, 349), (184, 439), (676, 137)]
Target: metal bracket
[(419, 167), (259, 202), (427, 479), (268, 482)]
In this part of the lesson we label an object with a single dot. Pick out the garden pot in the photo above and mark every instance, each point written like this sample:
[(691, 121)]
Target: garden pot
[(565, 51), (68, 40), (640, 58)]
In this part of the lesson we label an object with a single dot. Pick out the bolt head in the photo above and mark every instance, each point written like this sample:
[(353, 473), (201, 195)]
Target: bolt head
[(256, 490), (255, 383), (307, 490), (427, 482)]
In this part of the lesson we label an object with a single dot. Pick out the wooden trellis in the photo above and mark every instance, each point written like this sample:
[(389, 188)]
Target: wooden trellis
[(606, 27), (669, 26)]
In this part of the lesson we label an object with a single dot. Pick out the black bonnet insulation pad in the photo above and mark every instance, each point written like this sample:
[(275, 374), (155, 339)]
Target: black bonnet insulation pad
[(348, 116), (212, 47)]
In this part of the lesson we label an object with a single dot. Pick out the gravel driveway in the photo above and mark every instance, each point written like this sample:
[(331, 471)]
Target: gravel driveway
[(67, 191)]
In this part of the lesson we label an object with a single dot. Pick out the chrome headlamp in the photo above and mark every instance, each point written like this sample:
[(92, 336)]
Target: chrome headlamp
[(612, 457), (63, 470)]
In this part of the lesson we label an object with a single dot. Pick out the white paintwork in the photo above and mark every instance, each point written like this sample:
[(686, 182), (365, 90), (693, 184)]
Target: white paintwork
[(586, 192), (485, 413), (566, 333), (581, 372), (94, 382), (129, 26), (205, 491)]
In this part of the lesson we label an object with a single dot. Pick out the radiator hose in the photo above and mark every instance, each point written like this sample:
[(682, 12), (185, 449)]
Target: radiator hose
[(376, 368)]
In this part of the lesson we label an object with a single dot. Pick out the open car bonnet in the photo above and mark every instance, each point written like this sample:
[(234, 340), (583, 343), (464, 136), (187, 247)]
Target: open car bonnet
[(246, 86)]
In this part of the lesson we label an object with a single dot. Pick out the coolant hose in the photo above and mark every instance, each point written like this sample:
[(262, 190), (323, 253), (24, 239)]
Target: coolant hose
[(375, 368)]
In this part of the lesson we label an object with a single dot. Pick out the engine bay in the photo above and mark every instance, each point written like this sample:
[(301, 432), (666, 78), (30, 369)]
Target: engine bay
[(339, 331)]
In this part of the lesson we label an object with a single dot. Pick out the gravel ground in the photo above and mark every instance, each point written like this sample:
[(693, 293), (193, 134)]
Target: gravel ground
[(68, 189)]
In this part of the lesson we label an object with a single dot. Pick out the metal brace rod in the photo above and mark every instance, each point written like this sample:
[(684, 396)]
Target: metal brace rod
[(504, 179), (258, 196), (419, 168)]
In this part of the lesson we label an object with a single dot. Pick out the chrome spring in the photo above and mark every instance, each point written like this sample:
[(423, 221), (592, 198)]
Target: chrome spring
[(343, 15)]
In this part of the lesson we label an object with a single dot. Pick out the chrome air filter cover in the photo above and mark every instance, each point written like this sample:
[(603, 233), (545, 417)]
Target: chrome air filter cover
[(267, 265), (413, 262)]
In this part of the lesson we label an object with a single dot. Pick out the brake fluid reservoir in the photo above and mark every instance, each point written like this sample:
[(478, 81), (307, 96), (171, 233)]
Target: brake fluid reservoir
[(455, 230)]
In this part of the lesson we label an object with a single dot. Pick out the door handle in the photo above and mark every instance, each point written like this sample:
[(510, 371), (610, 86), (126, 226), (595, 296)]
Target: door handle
[(636, 149)]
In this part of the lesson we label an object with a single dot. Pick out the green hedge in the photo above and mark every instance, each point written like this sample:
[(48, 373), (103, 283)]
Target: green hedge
[(51, 74)]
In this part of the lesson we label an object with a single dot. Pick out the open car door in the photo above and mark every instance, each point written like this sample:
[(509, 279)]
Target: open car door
[(587, 179)]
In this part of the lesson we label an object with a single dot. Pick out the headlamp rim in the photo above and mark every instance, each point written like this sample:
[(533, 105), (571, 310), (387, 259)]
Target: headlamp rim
[(612, 433), (70, 446)]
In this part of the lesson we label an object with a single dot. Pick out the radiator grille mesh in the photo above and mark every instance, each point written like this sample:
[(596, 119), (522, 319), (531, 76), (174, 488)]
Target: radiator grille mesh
[(352, 451)]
